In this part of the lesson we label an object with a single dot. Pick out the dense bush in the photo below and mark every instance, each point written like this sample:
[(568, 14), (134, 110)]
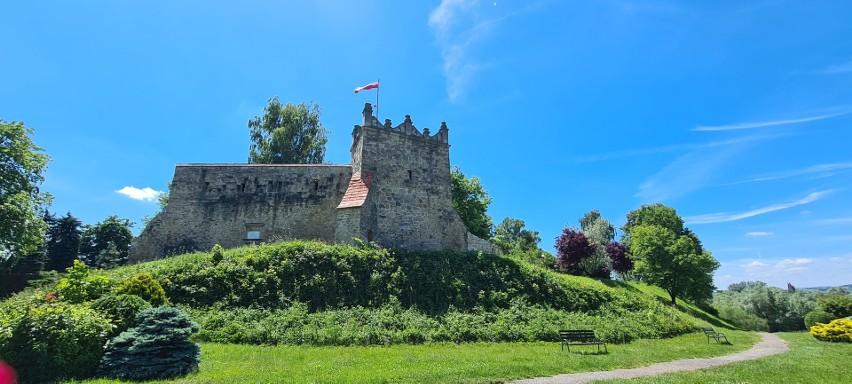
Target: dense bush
[(80, 285), (742, 319), (783, 310), (837, 305), (326, 277), (157, 348), (144, 286), (621, 321), (839, 330), (121, 310), (818, 316), (46, 340)]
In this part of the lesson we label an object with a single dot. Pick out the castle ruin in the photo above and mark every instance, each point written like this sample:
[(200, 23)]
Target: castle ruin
[(396, 192)]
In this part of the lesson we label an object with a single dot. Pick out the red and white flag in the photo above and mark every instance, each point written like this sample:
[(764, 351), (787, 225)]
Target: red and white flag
[(367, 87)]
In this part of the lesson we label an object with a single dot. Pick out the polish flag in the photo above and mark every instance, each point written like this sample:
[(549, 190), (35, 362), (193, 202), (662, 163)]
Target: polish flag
[(367, 87)]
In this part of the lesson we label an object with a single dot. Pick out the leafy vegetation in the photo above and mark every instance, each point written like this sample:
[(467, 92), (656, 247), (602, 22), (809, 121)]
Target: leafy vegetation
[(107, 243), (839, 330), (145, 287), (781, 309), (471, 200), (121, 310), (81, 285), (287, 134)]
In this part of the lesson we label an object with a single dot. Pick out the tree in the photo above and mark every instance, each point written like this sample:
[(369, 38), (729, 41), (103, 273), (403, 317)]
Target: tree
[(673, 262), (618, 260), (21, 203), (510, 235), (106, 244), (600, 232), (287, 134), (572, 250), (62, 241), (471, 200), (656, 214)]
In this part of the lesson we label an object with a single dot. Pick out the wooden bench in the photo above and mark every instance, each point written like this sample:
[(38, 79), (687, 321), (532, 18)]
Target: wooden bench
[(571, 337), (711, 334)]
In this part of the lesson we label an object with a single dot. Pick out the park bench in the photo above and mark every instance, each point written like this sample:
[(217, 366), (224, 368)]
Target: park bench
[(711, 334), (571, 337)]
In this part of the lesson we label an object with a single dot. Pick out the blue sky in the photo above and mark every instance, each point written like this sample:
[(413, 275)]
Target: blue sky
[(737, 115)]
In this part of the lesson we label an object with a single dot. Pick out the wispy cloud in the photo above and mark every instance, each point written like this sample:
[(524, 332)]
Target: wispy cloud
[(828, 270), (821, 170), (835, 221), (759, 234), (144, 194), (724, 217), (836, 68), (445, 20), (771, 123), (679, 147)]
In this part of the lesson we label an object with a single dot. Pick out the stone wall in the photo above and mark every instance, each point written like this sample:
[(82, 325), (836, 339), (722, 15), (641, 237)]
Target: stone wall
[(222, 203)]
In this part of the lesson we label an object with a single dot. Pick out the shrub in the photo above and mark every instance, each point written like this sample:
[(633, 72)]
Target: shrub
[(45, 342), (80, 285), (839, 330), (837, 305), (157, 348), (818, 316), (742, 319), (218, 254), (144, 286), (121, 309)]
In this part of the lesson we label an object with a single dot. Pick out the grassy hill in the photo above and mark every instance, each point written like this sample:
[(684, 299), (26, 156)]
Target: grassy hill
[(318, 294)]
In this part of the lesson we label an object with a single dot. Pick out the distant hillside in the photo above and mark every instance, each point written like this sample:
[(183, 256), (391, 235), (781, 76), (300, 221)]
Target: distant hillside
[(847, 287)]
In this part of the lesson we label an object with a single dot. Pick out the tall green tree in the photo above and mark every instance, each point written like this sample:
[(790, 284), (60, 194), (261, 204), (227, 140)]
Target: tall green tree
[(471, 200), (22, 164), (601, 233), (107, 243), (62, 241), (668, 255), (287, 134)]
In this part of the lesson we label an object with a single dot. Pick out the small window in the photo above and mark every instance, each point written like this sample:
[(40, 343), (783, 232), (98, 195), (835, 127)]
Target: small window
[(253, 235), (409, 175), (316, 185), (369, 235)]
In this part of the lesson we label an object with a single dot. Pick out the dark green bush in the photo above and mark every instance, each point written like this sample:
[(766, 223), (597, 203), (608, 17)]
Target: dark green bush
[(121, 310), (48, 341), (818, 316), (144, 286), (744, 320), (837, 305), (157, 348)]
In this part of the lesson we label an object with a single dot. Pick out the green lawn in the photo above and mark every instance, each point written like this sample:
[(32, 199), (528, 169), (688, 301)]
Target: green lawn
[(439, 363), (809, 361)]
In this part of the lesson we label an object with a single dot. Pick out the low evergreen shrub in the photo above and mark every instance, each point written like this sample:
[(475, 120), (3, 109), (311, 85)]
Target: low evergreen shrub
[(839, 330), (837, 305), (157, 348), (144, 286), (121, 310)]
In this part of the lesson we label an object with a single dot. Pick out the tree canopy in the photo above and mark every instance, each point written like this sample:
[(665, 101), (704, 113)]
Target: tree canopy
[(22, 164), (471, 200), (667, 254), (287, 134), (62, 241), (106, 244), (511, 234)]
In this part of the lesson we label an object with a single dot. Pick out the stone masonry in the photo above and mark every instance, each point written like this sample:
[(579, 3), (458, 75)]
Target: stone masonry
[(396, 193)]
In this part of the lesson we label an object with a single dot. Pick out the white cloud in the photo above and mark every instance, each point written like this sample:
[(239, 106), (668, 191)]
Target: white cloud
[(771, 123), (759, 234), (144, 194), (820, 170), (835, 221), (755, 264), (836, 68), (802, 272), (723, 217), (444, 20)]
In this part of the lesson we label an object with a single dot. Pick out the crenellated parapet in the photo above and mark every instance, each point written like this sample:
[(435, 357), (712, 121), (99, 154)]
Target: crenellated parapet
[(407, 127)]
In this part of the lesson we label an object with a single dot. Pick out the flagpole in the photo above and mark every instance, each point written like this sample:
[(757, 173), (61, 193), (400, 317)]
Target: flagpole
[(377, 101)]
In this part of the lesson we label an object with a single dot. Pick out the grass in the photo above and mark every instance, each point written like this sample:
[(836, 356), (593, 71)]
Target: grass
[(808, 361), (439, 363)]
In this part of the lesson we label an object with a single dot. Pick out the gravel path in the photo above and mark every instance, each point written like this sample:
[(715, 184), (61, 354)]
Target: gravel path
[(770, 345)]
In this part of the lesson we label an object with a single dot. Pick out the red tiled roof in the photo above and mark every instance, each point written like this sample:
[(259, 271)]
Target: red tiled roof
[(357, 191)]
